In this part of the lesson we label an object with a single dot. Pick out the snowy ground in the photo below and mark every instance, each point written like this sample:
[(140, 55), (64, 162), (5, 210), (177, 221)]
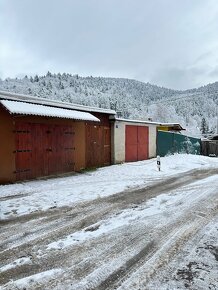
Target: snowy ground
[(120, 227)]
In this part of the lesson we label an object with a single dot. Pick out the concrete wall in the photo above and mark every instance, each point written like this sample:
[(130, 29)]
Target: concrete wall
[(118, 140)]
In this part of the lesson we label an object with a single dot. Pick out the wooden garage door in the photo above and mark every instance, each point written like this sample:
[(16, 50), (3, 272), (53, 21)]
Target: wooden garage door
[(136, 144), (43, 150), (98, 145)]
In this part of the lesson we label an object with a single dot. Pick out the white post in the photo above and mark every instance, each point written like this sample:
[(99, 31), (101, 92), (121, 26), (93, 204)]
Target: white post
[(158, 163)]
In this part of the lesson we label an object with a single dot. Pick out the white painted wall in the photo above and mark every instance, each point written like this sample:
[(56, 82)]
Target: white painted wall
[(152, 140), (118, 140)]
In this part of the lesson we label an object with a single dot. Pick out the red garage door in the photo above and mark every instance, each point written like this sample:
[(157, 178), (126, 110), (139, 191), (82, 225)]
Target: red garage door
[(43, 149), (136, 143)]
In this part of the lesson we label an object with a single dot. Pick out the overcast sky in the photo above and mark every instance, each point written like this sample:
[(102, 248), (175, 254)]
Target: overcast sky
[(171, 43)]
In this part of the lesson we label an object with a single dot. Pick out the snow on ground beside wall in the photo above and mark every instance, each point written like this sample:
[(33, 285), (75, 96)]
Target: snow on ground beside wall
[(64, 191)]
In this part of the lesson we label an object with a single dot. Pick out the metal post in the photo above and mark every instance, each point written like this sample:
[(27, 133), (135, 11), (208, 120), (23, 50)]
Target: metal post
[(158, 163)]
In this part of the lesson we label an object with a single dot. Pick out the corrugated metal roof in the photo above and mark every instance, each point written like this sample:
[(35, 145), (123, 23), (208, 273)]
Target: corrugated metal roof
[(23, 108), (29, 99)]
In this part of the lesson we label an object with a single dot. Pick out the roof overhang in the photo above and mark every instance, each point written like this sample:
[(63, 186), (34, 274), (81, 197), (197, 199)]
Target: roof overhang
[(22, 108)]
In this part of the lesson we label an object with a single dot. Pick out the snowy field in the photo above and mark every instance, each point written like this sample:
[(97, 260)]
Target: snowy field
[(121, 227)]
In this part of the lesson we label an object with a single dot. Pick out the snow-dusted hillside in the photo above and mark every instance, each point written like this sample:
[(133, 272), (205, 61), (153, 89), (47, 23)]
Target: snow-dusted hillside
[(133, 99)]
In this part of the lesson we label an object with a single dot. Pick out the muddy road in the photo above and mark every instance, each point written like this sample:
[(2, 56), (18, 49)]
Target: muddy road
[(123, 241)]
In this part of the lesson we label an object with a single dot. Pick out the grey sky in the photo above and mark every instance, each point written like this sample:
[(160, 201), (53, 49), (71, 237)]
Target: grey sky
[(171, 43)]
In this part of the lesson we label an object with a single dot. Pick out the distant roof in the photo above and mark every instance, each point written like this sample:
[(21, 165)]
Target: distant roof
[(214, 137), (158, 124), (41, 101), (174, 126), (23, 108)]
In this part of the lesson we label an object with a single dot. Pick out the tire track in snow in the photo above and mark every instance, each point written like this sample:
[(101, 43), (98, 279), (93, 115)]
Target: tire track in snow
[(163, 248), (50, 230)]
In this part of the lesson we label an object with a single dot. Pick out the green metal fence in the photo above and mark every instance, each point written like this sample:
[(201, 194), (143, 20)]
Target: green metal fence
[(170, 143)]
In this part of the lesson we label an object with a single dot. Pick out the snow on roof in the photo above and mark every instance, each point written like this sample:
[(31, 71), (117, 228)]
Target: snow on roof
[(40, 110), (148, 122), (42, 101)]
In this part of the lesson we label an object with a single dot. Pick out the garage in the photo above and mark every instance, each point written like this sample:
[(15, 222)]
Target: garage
[(132, 140), (41, 140)]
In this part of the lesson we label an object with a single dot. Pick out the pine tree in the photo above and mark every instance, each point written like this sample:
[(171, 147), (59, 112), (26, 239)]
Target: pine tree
[(36, 79), (61, 85), (49, 74), (204, 126)]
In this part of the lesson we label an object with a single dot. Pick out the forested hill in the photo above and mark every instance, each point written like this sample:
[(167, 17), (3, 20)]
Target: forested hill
[(133, 99)]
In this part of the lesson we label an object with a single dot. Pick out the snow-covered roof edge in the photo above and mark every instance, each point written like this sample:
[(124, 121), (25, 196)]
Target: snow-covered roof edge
[(146, 122), (54, 103), (23, 108)]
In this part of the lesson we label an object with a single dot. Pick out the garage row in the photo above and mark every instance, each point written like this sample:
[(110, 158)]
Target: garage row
[(41, 138)]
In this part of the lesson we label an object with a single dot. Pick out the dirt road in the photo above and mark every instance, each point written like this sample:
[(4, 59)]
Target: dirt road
[(129, 240)]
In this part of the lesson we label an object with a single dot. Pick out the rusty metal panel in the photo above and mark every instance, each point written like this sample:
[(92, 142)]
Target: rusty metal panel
[(43, 149), (98, 148), (142, 143), (131, 144), (59, 151), (39, 162), (93, 146), (23, 149), (107, 146), (68, 148), (53, 150)]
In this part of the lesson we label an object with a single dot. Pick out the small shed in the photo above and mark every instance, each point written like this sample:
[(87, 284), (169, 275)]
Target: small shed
[(42, 137), (133, 140), (209, 147)]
